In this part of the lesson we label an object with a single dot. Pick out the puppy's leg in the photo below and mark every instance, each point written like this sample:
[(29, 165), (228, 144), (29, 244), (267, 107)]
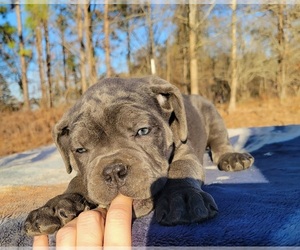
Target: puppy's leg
[(222, 151), (59, 210), (182, 200)]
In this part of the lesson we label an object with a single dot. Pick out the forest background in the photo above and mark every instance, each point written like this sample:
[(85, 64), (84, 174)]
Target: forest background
[(243, 57)]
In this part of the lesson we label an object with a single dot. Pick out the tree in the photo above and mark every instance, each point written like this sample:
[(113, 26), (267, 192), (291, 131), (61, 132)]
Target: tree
[(48, 56), (72, 50), (89, 44), (193, 46), (82, 47), (234, 75), (196, 27), (178, 50), (37, 21), (199, 48), (282, 31), (35, 24), (7, 101), (151, 45), (124, 11), (22, 57), (61, 22), (107, 39), (282, 47), (127, 18), (39, 47), (8, 55)]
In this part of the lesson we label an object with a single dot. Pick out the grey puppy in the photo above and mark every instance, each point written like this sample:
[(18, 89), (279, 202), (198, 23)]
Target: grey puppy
[(142, 138)]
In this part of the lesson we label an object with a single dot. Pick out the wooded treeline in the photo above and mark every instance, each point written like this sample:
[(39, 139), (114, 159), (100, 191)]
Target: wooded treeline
[(227, 53)]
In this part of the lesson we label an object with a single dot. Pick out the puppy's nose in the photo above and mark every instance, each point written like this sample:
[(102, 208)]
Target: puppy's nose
[(115, 174)]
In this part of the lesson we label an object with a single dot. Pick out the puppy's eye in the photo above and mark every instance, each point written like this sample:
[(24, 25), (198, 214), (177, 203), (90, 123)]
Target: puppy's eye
[(143, 131), (81, 150)]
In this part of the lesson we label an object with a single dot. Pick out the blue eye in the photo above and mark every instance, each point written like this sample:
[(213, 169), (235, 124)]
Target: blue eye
[(81, 150), (143, 131)]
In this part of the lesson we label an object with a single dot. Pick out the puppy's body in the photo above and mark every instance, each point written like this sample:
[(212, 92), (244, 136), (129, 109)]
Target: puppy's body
[(142, 138)]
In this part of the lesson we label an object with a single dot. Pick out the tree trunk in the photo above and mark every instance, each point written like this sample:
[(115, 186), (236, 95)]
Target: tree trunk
[(48, 63), (193, 48), (185, 70), (129, 66), (169, 63), (234, 76), (38, 40), (281, 75), (151, 40), (66, 85), (82, 48), (61, 22), (89, 45), (107, 39), (22, 59)]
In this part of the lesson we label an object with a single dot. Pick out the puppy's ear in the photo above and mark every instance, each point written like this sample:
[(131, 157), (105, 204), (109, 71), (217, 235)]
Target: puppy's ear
[(171, 101), (61, 138)]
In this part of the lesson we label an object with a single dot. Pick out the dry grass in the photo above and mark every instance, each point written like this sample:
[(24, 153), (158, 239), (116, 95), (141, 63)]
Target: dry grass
[(263, 112), (21, 131)]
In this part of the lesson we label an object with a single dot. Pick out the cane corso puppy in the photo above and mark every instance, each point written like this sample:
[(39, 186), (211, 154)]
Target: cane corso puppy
[(142, 138)]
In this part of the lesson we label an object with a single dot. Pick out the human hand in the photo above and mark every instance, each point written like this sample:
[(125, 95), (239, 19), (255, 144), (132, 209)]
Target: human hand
[(91, 229)]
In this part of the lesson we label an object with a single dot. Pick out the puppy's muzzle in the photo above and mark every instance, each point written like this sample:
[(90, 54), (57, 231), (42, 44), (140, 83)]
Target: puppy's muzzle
[(115, 175)]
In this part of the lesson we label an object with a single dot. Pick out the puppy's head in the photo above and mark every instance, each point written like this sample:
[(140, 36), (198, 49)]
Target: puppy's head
[(121, 136)]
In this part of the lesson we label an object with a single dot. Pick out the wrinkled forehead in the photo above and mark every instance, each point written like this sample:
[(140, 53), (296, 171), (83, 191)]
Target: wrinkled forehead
[(114, 120), (117, 90), (114, 102), (128, 115)]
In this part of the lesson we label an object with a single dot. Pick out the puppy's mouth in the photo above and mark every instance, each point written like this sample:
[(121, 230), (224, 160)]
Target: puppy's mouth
[(105, 194), (130, 176), (132, 193)]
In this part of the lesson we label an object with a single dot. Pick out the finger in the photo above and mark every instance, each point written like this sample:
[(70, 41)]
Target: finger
[(102, 211), (90, 229), (118, 222), (66, 236), (40, 242)]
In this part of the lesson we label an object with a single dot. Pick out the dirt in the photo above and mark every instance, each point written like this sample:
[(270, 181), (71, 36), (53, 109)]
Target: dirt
[(13, 203)]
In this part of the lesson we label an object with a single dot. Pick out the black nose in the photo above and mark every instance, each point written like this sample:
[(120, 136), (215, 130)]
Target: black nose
[(115, 174)]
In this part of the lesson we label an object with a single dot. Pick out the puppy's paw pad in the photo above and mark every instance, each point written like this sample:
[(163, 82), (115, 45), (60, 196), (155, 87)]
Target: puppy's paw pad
[(235, 161), (41, 221), (56, 213), (185, 206)]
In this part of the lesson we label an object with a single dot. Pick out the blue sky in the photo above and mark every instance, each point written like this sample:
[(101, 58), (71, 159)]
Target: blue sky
[(118, 59), (164, 29)]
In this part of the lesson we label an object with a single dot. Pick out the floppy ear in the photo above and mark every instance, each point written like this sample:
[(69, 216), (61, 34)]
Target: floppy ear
[(171, 101), (60, 135)]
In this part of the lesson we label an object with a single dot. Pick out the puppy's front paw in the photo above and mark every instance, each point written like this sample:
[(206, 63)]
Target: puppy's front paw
[(184, 204), (235, 161), (55, 214)]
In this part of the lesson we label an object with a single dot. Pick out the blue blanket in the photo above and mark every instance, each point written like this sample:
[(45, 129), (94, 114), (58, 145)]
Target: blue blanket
[(257, 207)]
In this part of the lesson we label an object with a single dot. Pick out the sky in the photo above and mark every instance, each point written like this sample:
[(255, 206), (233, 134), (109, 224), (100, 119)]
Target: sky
[(118, 59), (139, 39)]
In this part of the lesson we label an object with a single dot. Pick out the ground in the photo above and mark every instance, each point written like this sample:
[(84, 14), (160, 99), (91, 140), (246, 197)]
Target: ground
[(21, 131), (263, 112)]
